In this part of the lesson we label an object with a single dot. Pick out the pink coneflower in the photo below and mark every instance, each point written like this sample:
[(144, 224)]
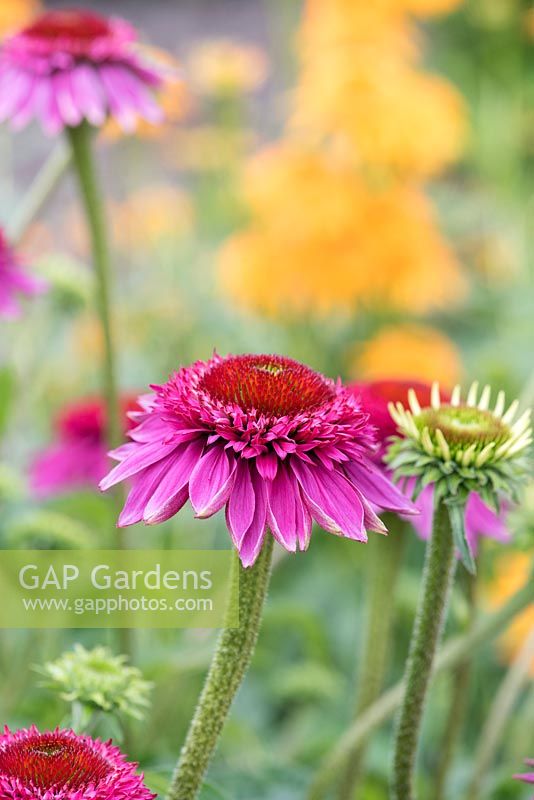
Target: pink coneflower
[(479, 519), (78, 458), (14, 280), (527, 777), (275, 442), (74, 65), (59, 765)]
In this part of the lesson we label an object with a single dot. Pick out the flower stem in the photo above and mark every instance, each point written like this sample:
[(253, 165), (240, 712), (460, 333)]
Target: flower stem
[(43, 186), (82, 156), (384, 561), (437, 582), (453, 653), (230, 662), (80, 140)]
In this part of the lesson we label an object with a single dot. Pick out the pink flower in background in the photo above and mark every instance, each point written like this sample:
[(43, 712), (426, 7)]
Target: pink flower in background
[(14, 281), (527, 777), (479, 519), (59, 765), (275, 442), (78, 458), (74, 65)]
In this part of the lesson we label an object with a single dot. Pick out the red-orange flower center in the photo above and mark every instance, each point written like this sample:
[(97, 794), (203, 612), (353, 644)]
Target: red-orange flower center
[(53, 761), (79, 25), (271, 384)]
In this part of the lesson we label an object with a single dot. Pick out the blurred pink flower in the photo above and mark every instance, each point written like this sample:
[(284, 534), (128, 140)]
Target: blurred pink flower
[(14, 280), (527, 777), (479, 519), (275, 442), (78, 458), (73, 65), (59, 765)]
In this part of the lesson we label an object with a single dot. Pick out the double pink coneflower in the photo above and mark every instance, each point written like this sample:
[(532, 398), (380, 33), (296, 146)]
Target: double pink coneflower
[(72, 65), (269, 439), (59, 765)]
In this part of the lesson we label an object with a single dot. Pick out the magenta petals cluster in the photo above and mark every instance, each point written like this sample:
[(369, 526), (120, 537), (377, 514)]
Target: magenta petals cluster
[(60, 765), (274, 442), (74, 65), (14, 281)]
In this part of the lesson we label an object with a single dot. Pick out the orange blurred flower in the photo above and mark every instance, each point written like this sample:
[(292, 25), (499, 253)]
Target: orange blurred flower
[(323, 241), (405, 352), (15, 14), (393, 116), (511, 574), (359, 82), (218, 66)]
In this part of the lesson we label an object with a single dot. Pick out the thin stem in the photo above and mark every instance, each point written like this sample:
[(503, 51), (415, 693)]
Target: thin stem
[(385, 558), (430, 616), (453, 652), (460, 679), (80, 140), (44, 184), (81, 147), (230, 662), (503, 705)]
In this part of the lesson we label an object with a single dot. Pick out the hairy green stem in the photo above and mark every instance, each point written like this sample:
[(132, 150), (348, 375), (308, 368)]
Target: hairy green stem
[(230, 662), (80, 140), (453, 653), (385, 558), (437, 582), (503, 705), (44, 184)]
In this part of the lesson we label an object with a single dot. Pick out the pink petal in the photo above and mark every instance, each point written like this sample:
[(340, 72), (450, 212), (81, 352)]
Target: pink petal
[(146, 483), (283, 498), (137, 459), (179, 468), (211, 482), (253, 538), (120, 104), (89, 93), (242, 502), (331, 500), (67, 106), (377, 488)]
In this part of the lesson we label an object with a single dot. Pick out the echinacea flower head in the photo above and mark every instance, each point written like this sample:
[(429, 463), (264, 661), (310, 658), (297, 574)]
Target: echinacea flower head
[(459, 447), (375, 396), (99, 680), (14, 281), (527, 777), (275, 442), (78, 456), (71, 66), (60, 765)]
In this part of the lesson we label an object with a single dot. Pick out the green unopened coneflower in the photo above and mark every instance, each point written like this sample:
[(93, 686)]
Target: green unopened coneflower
[(97, 681), (458, 447)]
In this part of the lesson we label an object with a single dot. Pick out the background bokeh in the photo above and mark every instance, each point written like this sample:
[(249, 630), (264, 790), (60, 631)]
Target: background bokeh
[(315, 192)]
